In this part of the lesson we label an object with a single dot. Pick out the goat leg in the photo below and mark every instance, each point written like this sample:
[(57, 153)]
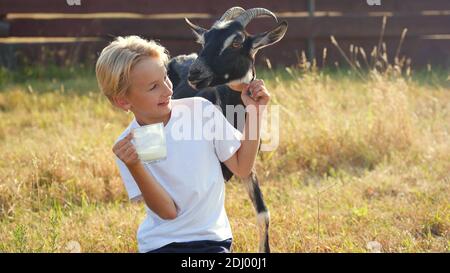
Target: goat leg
[(262, 213)]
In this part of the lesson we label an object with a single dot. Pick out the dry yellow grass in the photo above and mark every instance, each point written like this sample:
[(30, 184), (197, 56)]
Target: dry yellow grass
[(373, 154)]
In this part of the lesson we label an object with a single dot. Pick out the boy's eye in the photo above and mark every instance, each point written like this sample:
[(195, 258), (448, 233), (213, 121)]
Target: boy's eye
[(154, 86)]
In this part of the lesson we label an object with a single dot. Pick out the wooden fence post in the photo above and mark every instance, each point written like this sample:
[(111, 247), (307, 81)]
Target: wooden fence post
[(4, 26), (7, 55), (310, 41)]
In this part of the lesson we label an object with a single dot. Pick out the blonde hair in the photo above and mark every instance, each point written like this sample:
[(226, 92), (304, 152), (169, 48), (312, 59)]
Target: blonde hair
[(116, 61)]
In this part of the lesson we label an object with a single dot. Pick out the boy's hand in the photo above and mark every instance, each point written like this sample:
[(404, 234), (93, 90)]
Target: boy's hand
[(259, 96), (126, 152)]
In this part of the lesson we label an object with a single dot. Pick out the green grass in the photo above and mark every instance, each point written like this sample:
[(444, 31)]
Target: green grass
[(372, 153)]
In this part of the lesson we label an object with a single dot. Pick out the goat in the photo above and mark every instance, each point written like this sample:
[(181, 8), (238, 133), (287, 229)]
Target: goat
[(227, 56)]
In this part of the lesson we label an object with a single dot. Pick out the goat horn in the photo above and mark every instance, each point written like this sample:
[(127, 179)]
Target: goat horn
[(250, 14), (231, 13)]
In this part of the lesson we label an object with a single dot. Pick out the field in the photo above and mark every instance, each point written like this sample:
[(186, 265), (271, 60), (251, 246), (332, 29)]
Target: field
[(361, 158)]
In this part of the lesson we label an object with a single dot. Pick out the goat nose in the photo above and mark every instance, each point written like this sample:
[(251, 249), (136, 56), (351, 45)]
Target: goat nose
[(194, 74)]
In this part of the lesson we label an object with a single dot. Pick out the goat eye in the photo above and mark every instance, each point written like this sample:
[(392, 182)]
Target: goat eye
[(236, 45)]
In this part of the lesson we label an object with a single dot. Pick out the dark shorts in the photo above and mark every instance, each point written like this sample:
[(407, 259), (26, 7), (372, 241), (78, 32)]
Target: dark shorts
[(196, 247)]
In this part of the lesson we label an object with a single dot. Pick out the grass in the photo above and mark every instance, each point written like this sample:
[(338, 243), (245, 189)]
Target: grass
[(360, 160)]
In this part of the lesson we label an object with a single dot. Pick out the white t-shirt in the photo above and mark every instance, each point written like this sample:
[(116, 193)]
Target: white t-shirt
[(191, 175)]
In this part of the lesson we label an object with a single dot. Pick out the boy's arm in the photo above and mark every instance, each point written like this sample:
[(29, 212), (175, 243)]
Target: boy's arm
[(241, 162), (156, 198)]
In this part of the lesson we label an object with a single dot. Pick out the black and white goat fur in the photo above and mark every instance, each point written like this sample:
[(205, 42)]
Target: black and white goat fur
[(227, 55)]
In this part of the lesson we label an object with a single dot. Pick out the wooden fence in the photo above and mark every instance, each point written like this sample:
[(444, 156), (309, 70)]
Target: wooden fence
[(40, 31)]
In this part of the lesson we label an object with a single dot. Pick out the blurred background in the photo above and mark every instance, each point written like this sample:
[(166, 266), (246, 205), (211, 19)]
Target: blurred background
[(67, 31)]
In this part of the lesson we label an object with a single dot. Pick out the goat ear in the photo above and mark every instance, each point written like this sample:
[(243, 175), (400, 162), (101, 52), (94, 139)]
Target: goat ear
[(269, 37), (197, 30)]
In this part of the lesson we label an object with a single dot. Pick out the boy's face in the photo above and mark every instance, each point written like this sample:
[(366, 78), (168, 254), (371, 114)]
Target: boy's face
[(149, 96)]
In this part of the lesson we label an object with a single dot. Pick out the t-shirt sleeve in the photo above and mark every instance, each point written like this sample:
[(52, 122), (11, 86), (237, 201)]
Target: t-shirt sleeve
[(228, 140), (130, 184)]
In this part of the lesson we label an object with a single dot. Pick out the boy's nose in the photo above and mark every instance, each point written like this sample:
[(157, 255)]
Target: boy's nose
[(168, 90)]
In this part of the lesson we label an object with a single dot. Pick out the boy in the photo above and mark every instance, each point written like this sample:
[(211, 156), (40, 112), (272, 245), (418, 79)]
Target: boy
[(184, 194)]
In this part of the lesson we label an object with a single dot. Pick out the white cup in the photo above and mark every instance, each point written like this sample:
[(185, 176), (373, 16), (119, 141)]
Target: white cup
[(150, 142)]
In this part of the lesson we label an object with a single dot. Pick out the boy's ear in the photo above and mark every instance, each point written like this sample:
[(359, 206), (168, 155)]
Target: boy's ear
[(121, 102)]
